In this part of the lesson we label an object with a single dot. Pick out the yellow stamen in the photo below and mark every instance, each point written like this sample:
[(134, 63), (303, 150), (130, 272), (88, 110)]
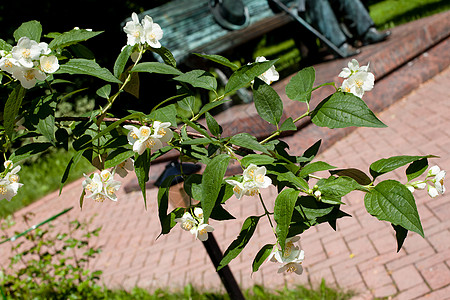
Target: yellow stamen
[(145, 132), (14, 178), (162, 132), (99, 198), (260, 178), (133, 135), (3, 190), (359, 83), (291, 268), (150, 143), (29, 75), (26, 53)]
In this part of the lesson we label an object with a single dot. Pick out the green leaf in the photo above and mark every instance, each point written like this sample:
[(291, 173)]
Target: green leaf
[(288, 125), (117, 156), (385, 165), (300, 86), (156, 67), (400, 235), (391, 201), (28, 150), (166, 55), (193, 186), (5, 46), (358, 175), (104, 91), (31, 29), (342, 110), (82, 66), (165, 114), (211, 183), (142, 168), (199, 79), (197, 128), (248, 141), (417, 168), (188, 104), (213, 126), (247, 230), (261, 256), (267, 102), (72, 37), (198, 141), (72, 163), (83, 193), (256, 159), (211, 105), (333, 189), (163, 204), (284, 207), (245, 74), (219, 59), (290, 177), (12, 107), (122, 60), (315, 167), (46, 127)]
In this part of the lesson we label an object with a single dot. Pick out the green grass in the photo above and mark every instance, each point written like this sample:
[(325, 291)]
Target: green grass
[(321, 292), (391, 13), (42, 176)]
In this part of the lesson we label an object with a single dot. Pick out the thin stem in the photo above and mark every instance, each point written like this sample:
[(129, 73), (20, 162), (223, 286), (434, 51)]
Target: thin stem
[(266, 212)]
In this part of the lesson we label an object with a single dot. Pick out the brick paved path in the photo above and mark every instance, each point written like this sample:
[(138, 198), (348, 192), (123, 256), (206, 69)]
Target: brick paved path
[(361, 255)]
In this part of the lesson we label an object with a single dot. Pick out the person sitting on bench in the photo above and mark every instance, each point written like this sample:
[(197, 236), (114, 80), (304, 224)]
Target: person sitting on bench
[(322, 14)]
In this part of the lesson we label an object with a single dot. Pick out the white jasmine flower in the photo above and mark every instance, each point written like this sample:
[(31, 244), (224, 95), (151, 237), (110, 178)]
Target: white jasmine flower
[(294, 266), (438, 181), (201, 232), (187, 222), (8, 164), (28, 77), (111, 187), (105, 175), (433, 171), (8, 189), (353, 67), (246, 188), (256, 175), (291, 259), (49, 64), (152, 32), (162, 131), (125, 166), (361, 82), (270, 75), (45, 50), (198, 212), (12, 175), (419, 185), (141, 139), (9, 64), (94, 184), (26, 52), (134, 31)]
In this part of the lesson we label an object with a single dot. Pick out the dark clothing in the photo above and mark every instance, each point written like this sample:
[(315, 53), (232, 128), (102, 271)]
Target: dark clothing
[(324, 14)]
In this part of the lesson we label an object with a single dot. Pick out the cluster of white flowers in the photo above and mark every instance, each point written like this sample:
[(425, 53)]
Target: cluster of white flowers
[(268, 76), (29, 61), (9, 183), (357, 79), (101, 186), (292, 258), (144, 32), (435, 176), (145, 137), (253, 179), (195, 225)]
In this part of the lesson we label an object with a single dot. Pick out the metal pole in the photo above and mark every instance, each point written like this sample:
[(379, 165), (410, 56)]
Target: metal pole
[(310, 28), (227, 278)]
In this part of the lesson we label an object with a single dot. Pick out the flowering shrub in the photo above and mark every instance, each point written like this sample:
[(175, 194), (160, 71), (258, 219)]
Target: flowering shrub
[(131, 143)]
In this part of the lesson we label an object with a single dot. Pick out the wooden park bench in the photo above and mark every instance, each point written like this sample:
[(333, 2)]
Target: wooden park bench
[(190, 27)]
